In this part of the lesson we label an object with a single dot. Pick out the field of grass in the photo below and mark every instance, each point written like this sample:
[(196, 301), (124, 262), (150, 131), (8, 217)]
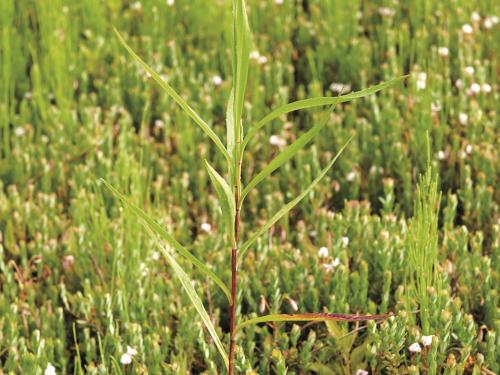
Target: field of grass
[(84, 287)]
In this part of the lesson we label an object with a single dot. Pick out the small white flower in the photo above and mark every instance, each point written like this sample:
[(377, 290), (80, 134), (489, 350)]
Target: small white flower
[(155, 255), (217, 80), (435, 107), (330, 266), (262, 60), (427, 340), (486, 88), (131, 351), (469, 70), (351, 176), (278, 2), (159, 124), (254, 55), (468, 149), (467, 29), (422, 76), (441, 155), (443, 51), (386, 12), (49, 370), (262, 304), (205, 227), (488, 23), (463, 118), (126, 359), (293, 304), (421, 80), (345, 241), (323, 252), (475, 17), (459, 83), (361, 372), (19, 131), (276, 140), (136, 6), (340, 87), (475, 88), (415, 348), (170, 3), (494, 19)]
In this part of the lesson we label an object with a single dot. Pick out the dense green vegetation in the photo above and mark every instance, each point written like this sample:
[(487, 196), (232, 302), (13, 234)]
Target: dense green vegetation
[(80, 278)]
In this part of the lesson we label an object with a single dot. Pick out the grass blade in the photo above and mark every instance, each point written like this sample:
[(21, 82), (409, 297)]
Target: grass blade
[(226, 199), (241, 51), (287, 207), (178, 99), (287, 154), (153, 225), (316, 102), (310, 317), (193, 296)]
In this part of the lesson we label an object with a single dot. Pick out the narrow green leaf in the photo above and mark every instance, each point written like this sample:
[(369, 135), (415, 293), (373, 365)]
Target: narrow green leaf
[(193, 296), (153, 225), (287, 153), (310, 317), (241, 54), (178, 99), (230, 124), (316, 102), (226, 199), (287, 207)]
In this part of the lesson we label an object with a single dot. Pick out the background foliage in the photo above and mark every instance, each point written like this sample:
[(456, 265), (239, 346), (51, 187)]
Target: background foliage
[(79, 278)]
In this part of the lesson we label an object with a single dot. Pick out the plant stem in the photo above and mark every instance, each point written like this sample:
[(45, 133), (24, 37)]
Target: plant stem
[(234, 259)]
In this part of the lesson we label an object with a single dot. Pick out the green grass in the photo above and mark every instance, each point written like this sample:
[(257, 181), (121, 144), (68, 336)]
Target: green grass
[(80, 278)]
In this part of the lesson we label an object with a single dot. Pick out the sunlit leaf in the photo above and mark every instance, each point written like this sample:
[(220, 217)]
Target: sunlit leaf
[(178, 99), (316, 102)]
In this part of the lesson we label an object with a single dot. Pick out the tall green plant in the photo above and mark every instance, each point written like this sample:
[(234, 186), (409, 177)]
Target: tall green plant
[(423, 244), (231, 191)]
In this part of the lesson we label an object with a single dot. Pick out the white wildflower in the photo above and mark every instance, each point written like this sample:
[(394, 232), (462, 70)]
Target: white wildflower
[(276, 140), (19, 131), (170, 3), (475, 17), (361, 372), (435, 107), (254, 55), (279, 2), (126, 359), (345, 241), (351, 176), (475, 88), (486, 88), (159, 124), (330, 266), (443, 51), (415, 348), (217, 80), (467, 29), (468, 149), (469, 70), (155, 256), (206, 227), (49, 370), (459, 83), (340, 87), (463, 118), (386, 12), (427, 340), (136, 6), (323, 252), (441, 155), (131, 351), (421, 80), (262, 60), (488, 23), (293, 304)]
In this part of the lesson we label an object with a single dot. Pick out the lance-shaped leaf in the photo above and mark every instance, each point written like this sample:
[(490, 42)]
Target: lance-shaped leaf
[(287, 154), (241, 52), (315, 102), (287, 207), (226, 199), (177, 98), (311, 317), (193, 296), (153, 225)]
